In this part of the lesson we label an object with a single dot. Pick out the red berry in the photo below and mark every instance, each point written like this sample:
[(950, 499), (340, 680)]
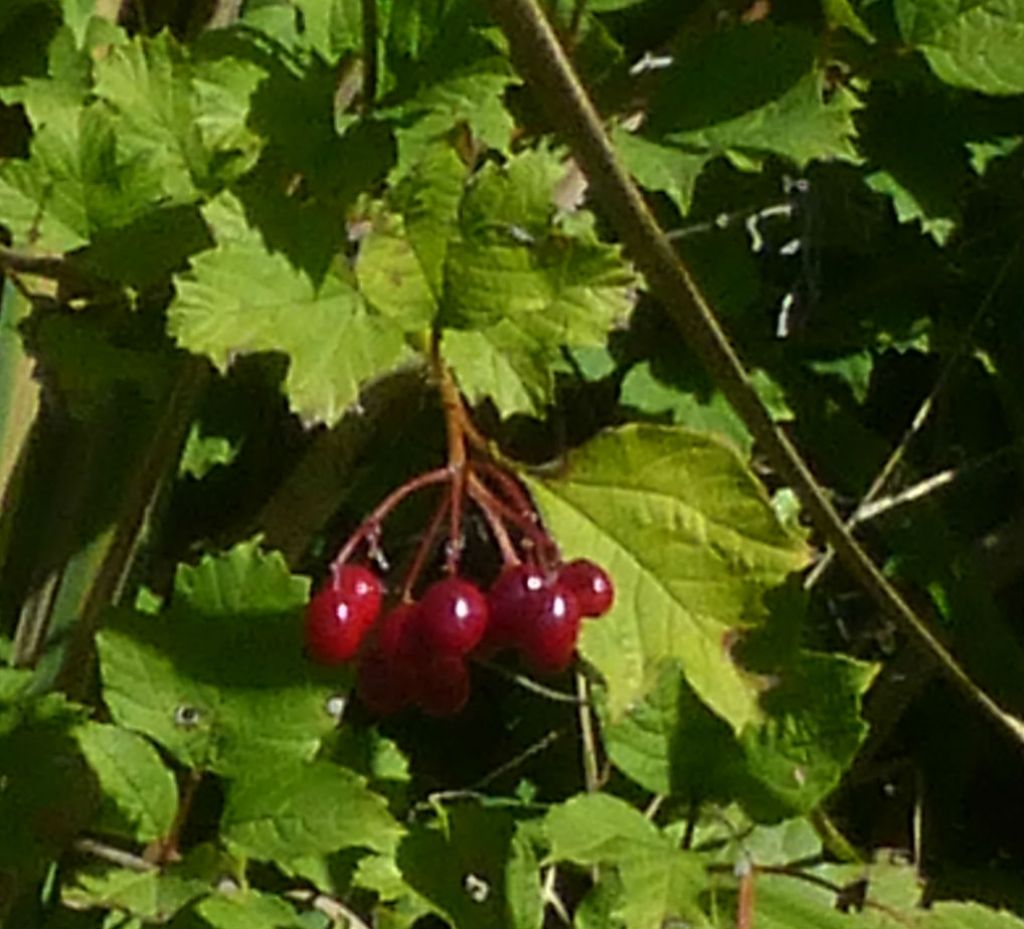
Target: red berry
[(360, 586), (394, 631), (442, 684), (341, 612), (591, 584), (384, 684), (550, 641), (512, 600), (453, 616)]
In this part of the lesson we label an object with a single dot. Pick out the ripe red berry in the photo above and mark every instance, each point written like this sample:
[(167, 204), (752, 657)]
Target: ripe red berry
[(452, 616), (591, 584), (360, 586), (334, 626), (512, 600), (395, 630), (550, 641), (340, 613), (442, 684)]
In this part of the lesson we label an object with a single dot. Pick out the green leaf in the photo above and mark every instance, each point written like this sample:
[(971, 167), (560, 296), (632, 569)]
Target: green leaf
[(692, 541), (645, 392), (770, 100), (191, 121), (152, 895), (812, 731), (248, 909), (593, 828), (239, 298), (468, 869), (524, 287), (668, 168), (280, 812), (671, 744), (842, 14), (48, 792), (79, 180), (472, 97), (140, 796), (974, 45), (219, 678), (658, 881), (938, 219), (489, 262)]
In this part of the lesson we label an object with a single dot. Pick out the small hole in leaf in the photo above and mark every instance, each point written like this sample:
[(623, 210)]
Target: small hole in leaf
[(186, 716)]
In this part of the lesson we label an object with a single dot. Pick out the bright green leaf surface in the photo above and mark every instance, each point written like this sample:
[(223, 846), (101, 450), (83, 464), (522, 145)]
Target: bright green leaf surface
[(219, 678), (140, 796), (594, 828), (968, 43), (79, 180), (659, 881), (248, 909), (655, 166), (693, 544), (150, 895), (279, 812), (239, 298)]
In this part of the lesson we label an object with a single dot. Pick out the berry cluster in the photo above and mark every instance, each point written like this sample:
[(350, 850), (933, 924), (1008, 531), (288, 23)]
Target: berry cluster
[(415, 652)]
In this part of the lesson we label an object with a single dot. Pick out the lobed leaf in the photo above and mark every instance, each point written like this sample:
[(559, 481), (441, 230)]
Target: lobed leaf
[(223, 678), (239, 298)]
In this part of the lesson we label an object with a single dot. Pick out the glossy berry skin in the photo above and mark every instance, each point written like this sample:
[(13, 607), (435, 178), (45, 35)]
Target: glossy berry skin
[(452, 616), (395, 631), (550, 641), (512, 600), (361, 587), (335, 626), (591, 585), (442, 684)]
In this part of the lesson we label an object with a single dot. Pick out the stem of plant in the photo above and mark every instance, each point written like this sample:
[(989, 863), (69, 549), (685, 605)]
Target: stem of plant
[(487, 501), (426, 546), (371, 524), (455, 425)]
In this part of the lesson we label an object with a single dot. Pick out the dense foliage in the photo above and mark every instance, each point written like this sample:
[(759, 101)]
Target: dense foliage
[(252, 251)]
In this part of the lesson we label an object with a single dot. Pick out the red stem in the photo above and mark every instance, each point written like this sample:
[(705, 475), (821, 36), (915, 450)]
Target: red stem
[(487, 501), (371, 524), (425, 547)]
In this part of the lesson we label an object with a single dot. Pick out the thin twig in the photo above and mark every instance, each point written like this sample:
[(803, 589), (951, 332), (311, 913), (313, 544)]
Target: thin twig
[(881, 481), (542, 744), (528, 683), (113, 855), (588, 742), (331, 907), (871, 510)]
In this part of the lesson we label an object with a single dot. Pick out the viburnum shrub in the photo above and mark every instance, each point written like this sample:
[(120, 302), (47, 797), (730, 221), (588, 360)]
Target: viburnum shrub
[(416, 652)]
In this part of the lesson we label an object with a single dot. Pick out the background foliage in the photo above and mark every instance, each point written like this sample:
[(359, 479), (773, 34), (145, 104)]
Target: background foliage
[(229, 238)]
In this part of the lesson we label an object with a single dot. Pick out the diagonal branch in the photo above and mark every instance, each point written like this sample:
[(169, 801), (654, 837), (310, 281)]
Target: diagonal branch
[(542, 61)]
